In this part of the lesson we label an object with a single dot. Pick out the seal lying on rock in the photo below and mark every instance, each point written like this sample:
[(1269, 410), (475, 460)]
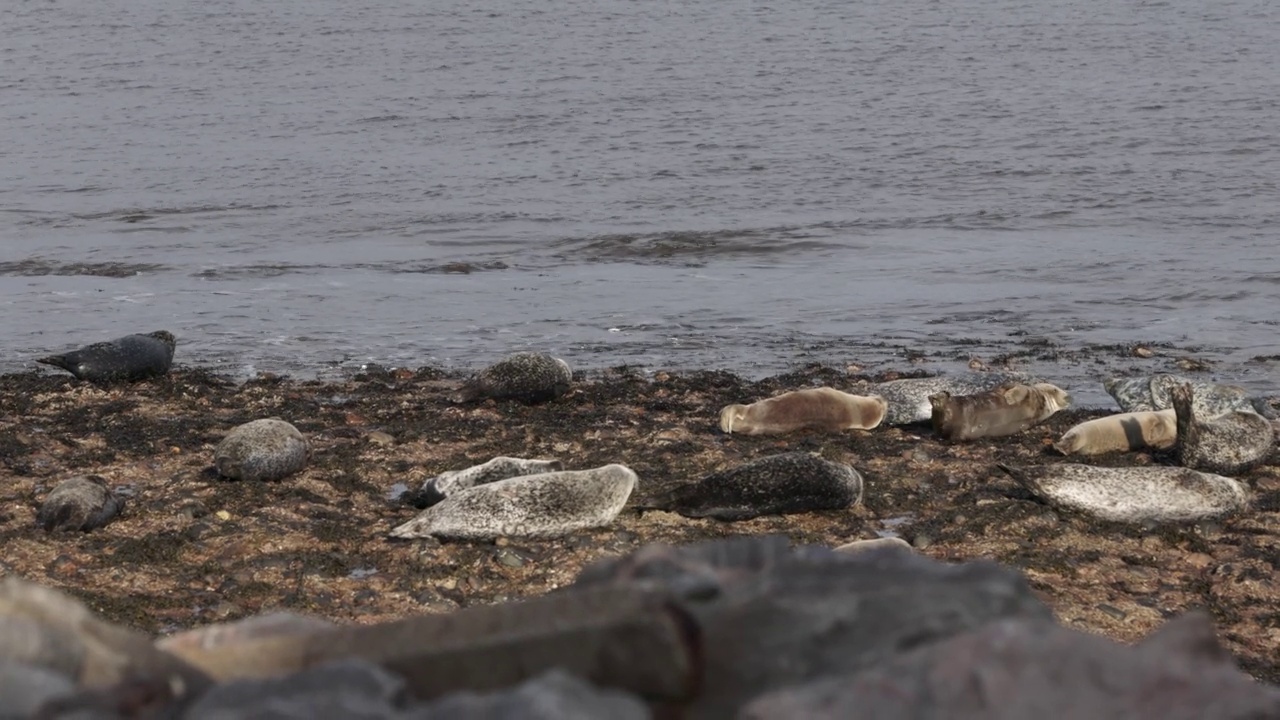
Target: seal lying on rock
[(80, 503), (543, 505), (825, 409), (1133, 494), (1234, 442), (500, 468), (792, 482), (267, 449), (1120, 432), (529, 377), (1151, 392), (132, 357), (1005, 410), (909, 398)]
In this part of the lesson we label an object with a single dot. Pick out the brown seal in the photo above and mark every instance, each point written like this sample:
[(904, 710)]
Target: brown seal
[(1120, 433), (825, 409), (1008, 409)]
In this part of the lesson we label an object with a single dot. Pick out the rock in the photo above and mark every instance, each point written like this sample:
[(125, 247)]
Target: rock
[(267, 449), (554, 695), (202, 647), (25, 688), (350, 689), (79, 503)]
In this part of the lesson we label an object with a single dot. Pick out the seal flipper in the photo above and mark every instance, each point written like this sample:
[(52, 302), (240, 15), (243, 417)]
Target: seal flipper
[(66, 361)]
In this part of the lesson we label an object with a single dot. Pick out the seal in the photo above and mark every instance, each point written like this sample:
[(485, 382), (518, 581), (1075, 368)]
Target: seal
[(1006, 410), (79, 503), (825, 409), (1151, 392), (1153, 494), (909, 398), (543, 505), (266, 449), (1120, 432), (132, 357), (529, 377), (881, 543), (793, 482), (1234, 442), (500, 468)]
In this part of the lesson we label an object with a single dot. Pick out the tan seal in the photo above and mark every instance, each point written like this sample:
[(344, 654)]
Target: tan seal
[(825, 409), (1121, 432), (1008, 409)]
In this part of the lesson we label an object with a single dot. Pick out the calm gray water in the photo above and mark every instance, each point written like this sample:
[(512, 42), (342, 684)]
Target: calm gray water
[(297, 186)]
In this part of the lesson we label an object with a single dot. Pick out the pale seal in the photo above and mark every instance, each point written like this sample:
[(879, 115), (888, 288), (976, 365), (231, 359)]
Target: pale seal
[(782, 484), (267, 449), (1234, 442), (1133, 494), (500, 468), (858, 546), (529, 377), (1151, 392), (132, 357), (1006, 410), (79, 503), (824, 409), (543, 505), (1120, 433), (909, 398)]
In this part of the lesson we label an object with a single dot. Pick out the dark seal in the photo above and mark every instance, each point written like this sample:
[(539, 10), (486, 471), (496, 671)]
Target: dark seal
[(132, 357), (529, 377), (1230, 443), (80, 503)]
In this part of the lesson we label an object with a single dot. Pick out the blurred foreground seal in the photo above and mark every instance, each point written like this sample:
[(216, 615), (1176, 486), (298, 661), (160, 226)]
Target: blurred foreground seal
[(792, 482), (1005, 410), (1234, 442), (825, 409), (909, 398), (267, 449), (529, 377), (1120, 432), (500, 468), (80, 503), (1133, 494), (132, 357), (543, 505)]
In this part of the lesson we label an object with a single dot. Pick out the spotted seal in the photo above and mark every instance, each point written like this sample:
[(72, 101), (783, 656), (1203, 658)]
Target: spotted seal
[(1133, 494), (266, 449), (793, 482), (542, 505), (499, 468), (1119, 433), (1005, 410), (529, 377), (1234, 442), (1151, 392), (909, 398), (79, 503), (132, 357), (825, 409)]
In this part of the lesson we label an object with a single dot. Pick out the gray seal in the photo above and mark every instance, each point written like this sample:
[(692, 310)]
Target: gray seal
[(529, 377), (132, 357), (782, 484), (267, 449), (1152, 392), (79, 503), (1234, 442), (909, 398), (1006, 410), (500, 468), (543, 505)]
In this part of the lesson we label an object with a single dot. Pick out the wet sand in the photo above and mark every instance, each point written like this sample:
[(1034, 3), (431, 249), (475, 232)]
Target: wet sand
[(191, 548)]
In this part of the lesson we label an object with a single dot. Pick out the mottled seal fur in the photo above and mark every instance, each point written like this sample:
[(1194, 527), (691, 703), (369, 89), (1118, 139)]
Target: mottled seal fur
[(1005, 410), (1234, 442), (79, 503), (909, 398), (1151, 392), (792, 482), (500, 468), (825, 409), (543, 505), (267, 449), (132, 357), (529, 377), (1133, 494), (1120, 433)]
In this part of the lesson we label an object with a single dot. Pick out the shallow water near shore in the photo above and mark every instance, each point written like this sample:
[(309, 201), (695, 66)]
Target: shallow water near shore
[(306, 188)]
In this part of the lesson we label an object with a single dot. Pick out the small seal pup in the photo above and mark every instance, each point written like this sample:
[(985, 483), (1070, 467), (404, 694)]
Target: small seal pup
[(132, 357), (909, 398), (825, 409), (435, 489), (793, 482), (1151, 392), (529, 377), (1005, 410), (1120, 432), (79, 503), (1234, 442), (1134, 494), (543, 505), (266, 449)]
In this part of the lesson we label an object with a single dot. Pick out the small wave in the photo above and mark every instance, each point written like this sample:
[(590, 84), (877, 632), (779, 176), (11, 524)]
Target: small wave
[(133, 215), (35, 267), (689, 245)]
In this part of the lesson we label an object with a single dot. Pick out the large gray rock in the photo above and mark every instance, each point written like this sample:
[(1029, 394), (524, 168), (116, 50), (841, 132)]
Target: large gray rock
[(351, 689), (555, 695), (24, 688)]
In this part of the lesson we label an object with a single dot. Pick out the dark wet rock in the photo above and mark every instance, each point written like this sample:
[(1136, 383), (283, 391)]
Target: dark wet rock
[(1018, 668), (555, 695), (349, 689), (79, 503), (132, 357)]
